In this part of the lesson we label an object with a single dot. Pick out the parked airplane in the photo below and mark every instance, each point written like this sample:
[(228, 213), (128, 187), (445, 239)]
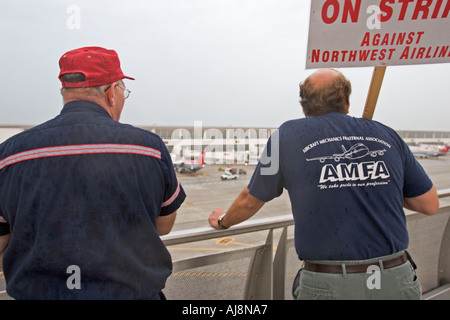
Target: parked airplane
[(190, 166), (428, 150)]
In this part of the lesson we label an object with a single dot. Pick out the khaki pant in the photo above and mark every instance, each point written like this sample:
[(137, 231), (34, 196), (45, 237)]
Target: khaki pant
[(396, 283)]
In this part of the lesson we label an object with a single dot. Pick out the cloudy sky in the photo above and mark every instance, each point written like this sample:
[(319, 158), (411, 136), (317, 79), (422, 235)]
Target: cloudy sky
[(222, 62)]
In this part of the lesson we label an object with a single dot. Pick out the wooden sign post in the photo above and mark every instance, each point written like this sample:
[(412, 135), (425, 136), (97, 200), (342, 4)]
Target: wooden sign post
[(374, 92)]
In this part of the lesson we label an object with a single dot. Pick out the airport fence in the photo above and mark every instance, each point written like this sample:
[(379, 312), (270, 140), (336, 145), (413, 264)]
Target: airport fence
[(266, 271)]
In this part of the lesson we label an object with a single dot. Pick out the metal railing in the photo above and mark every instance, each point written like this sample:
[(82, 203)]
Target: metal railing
[(266, 272)]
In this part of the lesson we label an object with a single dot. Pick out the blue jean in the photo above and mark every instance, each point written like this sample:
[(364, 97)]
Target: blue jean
[(397, 283)]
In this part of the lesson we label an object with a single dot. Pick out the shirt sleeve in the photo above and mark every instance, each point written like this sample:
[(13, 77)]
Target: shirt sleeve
[(174, 194), (416, 181), (267, 181)]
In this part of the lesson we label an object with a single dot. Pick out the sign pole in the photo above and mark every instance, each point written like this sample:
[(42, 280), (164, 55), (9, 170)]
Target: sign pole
[(374, 91)]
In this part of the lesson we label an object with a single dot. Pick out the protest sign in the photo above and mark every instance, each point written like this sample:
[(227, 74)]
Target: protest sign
[(378, 33)]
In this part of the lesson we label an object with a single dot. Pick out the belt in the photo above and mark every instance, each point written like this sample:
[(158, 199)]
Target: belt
[(354, 268)]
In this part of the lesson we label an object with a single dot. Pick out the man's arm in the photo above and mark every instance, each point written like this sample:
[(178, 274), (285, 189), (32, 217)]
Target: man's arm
[(164, 224), (427, 203), (4, 241), (243, 208)]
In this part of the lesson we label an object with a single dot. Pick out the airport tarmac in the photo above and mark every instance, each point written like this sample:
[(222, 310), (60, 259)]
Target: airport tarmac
[(206, 191)]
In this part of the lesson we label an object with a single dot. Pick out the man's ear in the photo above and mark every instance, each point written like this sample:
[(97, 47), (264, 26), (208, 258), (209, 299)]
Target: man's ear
[(110, 95)]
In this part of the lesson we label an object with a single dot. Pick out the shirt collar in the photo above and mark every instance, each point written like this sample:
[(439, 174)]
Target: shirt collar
[(84, 106)]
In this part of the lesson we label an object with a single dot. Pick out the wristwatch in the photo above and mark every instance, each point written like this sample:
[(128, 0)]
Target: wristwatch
[(219, 222)]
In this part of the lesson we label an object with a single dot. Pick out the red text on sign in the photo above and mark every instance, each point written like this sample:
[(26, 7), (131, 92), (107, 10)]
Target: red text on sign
[(392, 39), (349, 10)]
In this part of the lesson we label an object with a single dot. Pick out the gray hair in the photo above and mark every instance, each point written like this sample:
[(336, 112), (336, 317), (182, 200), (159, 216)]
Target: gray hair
[(79, 77)]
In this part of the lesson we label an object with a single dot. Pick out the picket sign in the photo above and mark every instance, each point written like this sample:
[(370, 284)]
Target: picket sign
[(377, 33)]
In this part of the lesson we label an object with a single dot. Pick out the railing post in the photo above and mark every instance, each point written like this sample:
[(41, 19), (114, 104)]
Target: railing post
[(259, 283), (279, 267), (444, 257)]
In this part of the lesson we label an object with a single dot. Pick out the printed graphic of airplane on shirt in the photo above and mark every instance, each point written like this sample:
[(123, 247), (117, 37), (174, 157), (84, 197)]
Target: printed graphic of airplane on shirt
[(357, 151)]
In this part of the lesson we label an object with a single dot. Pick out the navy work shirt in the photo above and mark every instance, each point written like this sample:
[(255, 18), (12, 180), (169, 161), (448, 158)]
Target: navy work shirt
[(346, 178), (84, 191)]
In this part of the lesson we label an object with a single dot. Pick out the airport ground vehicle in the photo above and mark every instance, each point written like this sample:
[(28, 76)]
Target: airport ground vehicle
[(230, 174)]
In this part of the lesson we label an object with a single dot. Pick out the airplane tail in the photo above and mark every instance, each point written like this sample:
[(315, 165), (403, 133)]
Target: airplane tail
[(201, 158), (445, 149)]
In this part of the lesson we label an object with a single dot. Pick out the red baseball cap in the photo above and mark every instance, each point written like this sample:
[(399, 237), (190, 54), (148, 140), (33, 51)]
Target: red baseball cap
[(99, 65)]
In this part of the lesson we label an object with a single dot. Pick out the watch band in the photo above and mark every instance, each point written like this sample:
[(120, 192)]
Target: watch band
[(219, 222)]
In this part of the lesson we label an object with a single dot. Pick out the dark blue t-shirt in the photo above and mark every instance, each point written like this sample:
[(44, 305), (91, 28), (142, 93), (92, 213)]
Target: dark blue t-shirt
[(84, 190), (346, 178)]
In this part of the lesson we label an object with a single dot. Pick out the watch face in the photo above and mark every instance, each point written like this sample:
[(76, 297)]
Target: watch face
[(219, 222)]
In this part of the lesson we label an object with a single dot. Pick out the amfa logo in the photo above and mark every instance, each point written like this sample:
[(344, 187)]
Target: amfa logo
[(354, 172)]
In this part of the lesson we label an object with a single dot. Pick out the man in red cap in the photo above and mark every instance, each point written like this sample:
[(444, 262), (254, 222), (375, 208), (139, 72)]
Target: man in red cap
[(84, 198), (95, 70)]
